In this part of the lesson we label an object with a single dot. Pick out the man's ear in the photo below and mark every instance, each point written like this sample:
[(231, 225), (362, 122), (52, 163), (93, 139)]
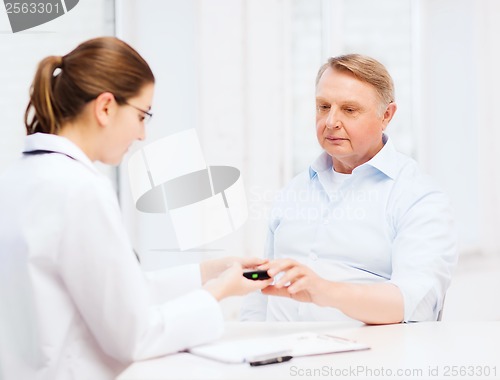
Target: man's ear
[(104, 107), (388, 114)]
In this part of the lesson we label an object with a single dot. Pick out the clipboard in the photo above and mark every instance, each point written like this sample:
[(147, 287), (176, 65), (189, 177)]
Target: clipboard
[(295, 345)]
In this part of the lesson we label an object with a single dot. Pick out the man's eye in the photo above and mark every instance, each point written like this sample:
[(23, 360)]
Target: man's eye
[(323, 107), (350, 110), (142, 118)]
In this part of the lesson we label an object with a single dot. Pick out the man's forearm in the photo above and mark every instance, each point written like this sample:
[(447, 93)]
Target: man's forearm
[(380, 303)]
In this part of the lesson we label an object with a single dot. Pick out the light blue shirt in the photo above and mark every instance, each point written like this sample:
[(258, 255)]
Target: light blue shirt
[(385, 222)]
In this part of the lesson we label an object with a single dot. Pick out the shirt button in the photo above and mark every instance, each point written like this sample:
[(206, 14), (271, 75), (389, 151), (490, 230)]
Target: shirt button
[(313, 256)]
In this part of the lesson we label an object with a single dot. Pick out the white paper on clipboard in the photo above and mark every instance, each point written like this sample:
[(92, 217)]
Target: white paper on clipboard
[(298, 344)]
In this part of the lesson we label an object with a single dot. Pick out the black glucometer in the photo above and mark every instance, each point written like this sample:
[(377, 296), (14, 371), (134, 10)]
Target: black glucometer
[(256, 275)]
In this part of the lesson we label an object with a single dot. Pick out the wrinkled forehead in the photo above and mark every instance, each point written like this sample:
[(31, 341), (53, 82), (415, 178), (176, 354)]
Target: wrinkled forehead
[(342, 86), (343, 82)]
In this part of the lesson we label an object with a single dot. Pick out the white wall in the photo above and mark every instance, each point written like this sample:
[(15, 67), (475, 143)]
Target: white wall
[(448, 145), (221, 67), (165, 34), (21, 52), (242, 72), (488, 120), (458, 122)]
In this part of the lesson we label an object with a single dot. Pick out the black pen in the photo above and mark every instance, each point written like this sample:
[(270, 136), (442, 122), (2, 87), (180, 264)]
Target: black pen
[(278, 359)]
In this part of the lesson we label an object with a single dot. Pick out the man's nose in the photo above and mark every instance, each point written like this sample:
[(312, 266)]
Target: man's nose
[(333, 120)]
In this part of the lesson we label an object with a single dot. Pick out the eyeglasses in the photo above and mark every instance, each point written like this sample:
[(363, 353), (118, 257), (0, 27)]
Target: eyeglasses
[(147, 115)]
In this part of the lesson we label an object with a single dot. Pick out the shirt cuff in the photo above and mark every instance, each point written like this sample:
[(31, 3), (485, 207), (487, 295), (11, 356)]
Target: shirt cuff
[(184, 322), (198, 317), (419, 301)]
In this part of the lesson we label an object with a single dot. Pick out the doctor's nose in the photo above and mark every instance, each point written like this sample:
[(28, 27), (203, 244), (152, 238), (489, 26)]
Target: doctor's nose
[(142, 134)]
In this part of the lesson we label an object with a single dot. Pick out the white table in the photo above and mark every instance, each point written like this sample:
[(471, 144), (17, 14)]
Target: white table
[(429, 350)]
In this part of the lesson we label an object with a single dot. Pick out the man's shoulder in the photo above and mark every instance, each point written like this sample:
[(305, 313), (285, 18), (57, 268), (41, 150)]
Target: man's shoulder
[(299, 181), (294, 189), (413, 185), (411, 172)]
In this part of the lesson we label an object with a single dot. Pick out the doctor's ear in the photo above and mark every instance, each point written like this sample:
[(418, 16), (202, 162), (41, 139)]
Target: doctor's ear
[(104, 106)]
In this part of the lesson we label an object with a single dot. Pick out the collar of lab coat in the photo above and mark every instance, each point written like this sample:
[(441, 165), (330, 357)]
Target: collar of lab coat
[(57, 144)]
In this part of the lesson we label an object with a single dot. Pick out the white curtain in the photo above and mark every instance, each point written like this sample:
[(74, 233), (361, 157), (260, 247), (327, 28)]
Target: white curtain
[(488, 40), (458, 118), (242, 73)]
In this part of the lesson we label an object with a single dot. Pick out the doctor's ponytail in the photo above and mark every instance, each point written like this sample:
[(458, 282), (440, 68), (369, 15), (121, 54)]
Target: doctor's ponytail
[(64, 85), (42, 98)]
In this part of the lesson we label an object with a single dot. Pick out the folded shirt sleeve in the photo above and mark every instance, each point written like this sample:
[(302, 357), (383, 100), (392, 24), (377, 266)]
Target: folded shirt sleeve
[(424, 253)]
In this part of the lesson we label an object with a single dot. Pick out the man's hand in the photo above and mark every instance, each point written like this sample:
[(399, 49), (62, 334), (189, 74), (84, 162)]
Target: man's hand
[(304, 284), (377, 303)]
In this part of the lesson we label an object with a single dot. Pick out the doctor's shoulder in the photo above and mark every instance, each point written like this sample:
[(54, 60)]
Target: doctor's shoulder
[(66, 179)]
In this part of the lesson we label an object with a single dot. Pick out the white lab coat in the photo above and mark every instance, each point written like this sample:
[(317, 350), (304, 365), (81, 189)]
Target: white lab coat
[(74, 303)]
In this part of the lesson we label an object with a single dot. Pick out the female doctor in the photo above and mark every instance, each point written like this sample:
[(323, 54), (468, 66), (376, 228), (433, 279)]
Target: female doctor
[(74, 301)]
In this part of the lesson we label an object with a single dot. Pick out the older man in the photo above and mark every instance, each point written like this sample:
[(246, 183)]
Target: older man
[(363, 234)]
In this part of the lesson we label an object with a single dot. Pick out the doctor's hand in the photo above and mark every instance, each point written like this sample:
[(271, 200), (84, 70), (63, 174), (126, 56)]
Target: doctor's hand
[(231, 282), (213, 268), (305, 285)]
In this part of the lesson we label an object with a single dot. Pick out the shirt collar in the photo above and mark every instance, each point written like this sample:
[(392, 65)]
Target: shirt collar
[(385, 161), (320, 164), (57, 144)]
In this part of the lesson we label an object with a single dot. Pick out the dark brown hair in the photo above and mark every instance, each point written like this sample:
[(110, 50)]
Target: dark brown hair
[(63, 85), (366, 69)]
